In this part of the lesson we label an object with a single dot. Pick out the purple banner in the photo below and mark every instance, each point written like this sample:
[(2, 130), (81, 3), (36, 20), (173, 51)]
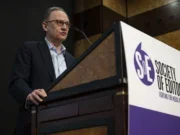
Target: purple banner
[(148, 122)]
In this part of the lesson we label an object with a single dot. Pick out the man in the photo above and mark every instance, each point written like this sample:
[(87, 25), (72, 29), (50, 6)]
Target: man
[(38, 64)]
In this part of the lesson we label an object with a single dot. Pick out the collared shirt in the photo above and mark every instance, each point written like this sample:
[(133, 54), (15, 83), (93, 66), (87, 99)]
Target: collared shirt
[(58, 59)]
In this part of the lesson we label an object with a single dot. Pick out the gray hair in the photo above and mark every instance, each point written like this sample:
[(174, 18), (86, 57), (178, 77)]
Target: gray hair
[(50, 10)]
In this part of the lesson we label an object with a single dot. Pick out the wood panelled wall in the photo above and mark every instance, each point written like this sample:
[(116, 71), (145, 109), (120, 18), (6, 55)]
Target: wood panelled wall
[(94, 17), (157, 18), (136, 7)]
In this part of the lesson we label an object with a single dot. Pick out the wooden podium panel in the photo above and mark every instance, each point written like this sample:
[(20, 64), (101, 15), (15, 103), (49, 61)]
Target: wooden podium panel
[(99, 64), (99, 113), (101, 130)]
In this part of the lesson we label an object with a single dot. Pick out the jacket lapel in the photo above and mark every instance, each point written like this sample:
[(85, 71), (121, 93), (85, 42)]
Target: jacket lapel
[(47, 58), (66, 59)]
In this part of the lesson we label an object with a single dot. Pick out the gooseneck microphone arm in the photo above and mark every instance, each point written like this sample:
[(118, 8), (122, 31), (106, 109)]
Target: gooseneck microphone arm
[(82, 33)]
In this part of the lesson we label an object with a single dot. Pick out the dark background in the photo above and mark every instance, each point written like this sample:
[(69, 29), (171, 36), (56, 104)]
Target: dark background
[(21, 21)]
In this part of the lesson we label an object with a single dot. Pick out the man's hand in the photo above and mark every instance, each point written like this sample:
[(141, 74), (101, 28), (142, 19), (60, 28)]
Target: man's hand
[(37, 96)]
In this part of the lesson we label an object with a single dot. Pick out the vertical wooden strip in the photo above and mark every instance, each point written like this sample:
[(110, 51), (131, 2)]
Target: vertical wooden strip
[(33, 120)]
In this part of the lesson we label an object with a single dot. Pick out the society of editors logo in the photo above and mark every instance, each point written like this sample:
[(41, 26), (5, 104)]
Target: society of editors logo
[(143, 66)]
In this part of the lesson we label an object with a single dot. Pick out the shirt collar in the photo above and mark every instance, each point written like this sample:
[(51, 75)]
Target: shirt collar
[(51, 47)]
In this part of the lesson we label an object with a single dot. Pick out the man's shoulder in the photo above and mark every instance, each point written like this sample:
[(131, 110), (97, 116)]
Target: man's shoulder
[(32, 43)]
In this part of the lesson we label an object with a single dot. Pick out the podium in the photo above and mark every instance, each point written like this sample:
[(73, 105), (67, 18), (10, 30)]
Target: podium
[(89, 98)]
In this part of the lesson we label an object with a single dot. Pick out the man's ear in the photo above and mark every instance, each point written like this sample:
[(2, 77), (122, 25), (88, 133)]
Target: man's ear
[(44, 25)]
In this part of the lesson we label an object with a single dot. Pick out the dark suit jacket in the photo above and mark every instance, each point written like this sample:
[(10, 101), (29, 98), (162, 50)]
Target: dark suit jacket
[(32, 69)]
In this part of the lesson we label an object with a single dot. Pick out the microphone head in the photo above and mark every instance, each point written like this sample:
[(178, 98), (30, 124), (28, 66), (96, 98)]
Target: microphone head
[(75, 28)]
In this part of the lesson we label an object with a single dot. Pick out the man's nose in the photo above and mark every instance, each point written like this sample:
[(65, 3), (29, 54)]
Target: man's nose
[(64, 26)]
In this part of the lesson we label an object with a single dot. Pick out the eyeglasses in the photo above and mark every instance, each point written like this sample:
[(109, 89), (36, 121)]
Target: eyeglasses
[(60, 23)]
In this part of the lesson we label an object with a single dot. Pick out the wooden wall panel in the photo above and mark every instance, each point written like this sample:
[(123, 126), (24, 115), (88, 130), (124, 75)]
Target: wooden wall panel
[(89, 21), (109, 17), (95, 17), (139, 6), (101, 130), (158, 21), (171, 38), (82, 5), (118, 6), (82, 45)]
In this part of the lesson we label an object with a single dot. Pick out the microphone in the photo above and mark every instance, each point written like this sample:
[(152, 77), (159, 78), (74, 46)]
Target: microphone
[(82, 33)]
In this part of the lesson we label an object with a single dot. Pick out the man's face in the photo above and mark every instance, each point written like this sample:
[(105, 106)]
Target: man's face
[(57, 26)]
